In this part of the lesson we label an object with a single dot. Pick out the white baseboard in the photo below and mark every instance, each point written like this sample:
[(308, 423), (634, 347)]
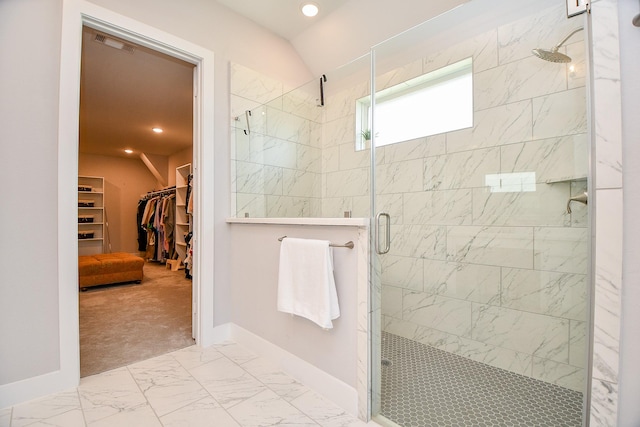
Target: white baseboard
[(318, 380), (36, 387), (221, 333)]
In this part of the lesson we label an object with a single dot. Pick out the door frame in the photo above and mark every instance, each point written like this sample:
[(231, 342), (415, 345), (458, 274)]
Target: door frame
[(75, 15)]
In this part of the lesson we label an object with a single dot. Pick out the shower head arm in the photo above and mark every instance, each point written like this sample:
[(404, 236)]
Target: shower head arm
[(556, 47)]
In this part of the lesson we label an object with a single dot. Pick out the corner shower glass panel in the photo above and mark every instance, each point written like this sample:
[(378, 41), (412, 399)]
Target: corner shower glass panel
[(483, 313), (276, 147), (292, 149)]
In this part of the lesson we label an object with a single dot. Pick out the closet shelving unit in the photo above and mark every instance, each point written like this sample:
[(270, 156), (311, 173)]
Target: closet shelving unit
[(91, 216), (183, 220)]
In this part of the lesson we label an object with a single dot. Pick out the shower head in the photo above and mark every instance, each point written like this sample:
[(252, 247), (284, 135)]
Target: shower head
[(552, 55)]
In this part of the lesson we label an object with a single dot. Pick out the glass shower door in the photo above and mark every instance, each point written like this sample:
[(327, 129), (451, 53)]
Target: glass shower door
[(481, 163)]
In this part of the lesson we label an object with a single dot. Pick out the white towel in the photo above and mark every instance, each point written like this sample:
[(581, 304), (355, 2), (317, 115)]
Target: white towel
[(306, 286)]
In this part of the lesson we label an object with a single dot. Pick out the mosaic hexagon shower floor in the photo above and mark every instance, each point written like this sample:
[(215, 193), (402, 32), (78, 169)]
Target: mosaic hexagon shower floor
[(423, 386)]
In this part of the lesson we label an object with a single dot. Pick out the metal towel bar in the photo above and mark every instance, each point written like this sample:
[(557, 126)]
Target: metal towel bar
[(349, 244)]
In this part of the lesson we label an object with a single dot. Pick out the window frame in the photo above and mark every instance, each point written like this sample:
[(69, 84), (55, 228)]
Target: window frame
[(423, 82)]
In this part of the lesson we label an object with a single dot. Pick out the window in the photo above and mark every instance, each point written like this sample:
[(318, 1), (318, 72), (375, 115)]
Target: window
[(436, 102)]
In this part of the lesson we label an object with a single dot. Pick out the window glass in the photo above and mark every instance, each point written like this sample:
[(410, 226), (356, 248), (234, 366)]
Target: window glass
[(436, 102)]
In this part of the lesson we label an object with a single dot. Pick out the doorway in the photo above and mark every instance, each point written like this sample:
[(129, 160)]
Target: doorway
[(75, 15), (136, 145)]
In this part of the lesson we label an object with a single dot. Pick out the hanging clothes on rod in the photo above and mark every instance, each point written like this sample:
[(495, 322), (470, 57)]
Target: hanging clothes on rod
[(188, 259), (189, 199), (163, 192), (156, 222)]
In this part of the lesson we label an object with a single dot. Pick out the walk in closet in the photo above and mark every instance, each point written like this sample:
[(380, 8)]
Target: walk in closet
[(135, 193)]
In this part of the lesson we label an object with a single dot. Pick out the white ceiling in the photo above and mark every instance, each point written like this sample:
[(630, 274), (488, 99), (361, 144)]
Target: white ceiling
[(283, 17), (124, 95)]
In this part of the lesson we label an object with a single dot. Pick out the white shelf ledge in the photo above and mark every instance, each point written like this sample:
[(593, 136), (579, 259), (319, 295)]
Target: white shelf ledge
[(567, 179), (351, 222)]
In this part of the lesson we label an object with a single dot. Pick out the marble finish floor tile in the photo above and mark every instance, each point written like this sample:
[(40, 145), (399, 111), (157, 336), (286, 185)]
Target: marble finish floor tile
[(323, 411), (46, 408), (166, 384), (224, 386), (267, 409)]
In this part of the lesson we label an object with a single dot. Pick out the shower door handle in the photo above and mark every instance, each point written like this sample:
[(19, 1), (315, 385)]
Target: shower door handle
[(387, 233)]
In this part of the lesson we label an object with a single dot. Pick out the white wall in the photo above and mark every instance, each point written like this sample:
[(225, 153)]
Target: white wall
[(176, 160), (215, 27), (30, 52), (29, 76), (255, 254), (351, 30), (629, 414), (124, 181)]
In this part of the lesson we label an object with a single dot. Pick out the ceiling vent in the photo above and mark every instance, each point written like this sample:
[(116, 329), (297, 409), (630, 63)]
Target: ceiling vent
[(116, 44)]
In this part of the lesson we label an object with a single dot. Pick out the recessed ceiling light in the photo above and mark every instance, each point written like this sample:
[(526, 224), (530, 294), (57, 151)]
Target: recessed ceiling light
[(157, 130), (128, 151), (310, 9)]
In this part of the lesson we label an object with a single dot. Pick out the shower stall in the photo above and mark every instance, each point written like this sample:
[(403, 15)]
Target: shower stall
[(484, 284), (466, 141)]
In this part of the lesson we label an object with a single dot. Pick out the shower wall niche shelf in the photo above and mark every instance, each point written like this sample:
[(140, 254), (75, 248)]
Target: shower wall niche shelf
[(567, 179)]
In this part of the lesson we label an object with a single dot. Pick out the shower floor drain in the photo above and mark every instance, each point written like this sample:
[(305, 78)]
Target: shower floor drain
[(386, 362)]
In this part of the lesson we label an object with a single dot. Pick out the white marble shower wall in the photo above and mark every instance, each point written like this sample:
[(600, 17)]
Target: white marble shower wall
[(493, 271), (277, 159), (345, 171), (497, 276)]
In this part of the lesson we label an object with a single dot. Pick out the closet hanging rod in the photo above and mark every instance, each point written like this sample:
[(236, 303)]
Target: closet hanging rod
[(160, 192), (349, 244)]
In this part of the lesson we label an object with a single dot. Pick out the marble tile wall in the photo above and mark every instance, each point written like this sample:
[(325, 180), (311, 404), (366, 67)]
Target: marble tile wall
[(608, 212), (346, 171), (519, 123), (498, 272), (276, 166)]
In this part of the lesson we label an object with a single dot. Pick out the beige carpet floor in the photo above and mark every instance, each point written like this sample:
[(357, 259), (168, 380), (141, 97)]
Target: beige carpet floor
[(123, 324)]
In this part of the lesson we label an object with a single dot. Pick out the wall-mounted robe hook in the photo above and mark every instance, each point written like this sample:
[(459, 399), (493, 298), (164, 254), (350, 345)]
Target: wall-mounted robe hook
[(247, 114), (323, 79)]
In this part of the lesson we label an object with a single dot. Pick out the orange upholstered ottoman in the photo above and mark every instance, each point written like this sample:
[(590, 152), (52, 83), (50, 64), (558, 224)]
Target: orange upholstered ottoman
[(105, 269)]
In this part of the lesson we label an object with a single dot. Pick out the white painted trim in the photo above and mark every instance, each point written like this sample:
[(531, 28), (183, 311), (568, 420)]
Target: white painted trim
[(31, 388), (68, 374), (75, 13), (330, 387), (222, 333), (203, 156), (350, 222)]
